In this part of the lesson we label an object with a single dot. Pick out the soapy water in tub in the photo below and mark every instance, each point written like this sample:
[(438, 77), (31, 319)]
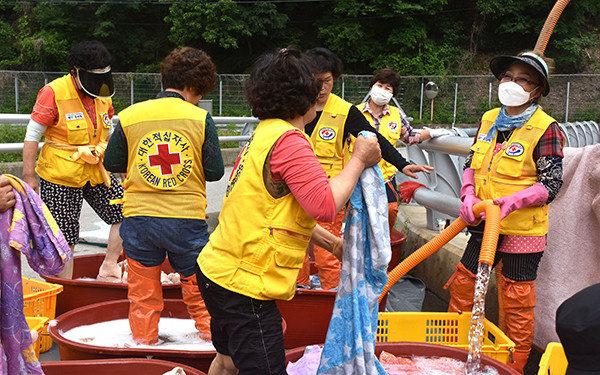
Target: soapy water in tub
[(394, 365), (174, 334)]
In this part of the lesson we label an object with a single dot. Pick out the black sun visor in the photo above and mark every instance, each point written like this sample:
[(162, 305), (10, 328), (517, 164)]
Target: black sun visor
[(97, 82)]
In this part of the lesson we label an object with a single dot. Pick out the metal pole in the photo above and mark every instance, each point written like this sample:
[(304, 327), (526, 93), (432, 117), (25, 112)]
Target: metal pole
[(343, 87), (16, 93), (432, 110), (490, 96), (421, 101), (220, 96), (131, 89), (455, 100), (567, 104)]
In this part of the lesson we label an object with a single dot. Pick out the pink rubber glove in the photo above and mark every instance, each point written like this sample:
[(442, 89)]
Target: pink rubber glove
[(468, 197), (407, 190), (535, 195)]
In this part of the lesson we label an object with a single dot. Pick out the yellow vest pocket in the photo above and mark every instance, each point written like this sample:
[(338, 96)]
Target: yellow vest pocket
[(77, 133)]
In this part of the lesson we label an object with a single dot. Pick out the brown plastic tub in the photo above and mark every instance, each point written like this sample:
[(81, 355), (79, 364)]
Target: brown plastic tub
[(118, 366), (77, 293), (112, 310), (420, 349), (307, 314)]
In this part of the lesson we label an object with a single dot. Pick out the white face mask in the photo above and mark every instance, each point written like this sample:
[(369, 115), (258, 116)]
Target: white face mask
[(513, 95), (380, 96)]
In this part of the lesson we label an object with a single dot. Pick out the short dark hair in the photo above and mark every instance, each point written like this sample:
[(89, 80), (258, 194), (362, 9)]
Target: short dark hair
[(191, 67), (323, 61), (89, 55), (281, 85), (388, 76)]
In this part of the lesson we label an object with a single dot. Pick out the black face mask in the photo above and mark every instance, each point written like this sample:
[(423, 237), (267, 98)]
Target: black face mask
[(97, 83)]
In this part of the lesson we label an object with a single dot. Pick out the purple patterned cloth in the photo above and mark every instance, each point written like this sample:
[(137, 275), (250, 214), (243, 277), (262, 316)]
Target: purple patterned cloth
[(26, 228)]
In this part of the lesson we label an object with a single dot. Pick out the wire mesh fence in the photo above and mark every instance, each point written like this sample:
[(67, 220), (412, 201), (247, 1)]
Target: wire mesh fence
[(460, 100)]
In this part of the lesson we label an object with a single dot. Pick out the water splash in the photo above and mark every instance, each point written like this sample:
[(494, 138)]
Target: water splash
[(478, 315)]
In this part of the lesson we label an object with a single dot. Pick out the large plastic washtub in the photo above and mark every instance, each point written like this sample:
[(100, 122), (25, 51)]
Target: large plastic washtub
[(112, 310), (118, 366), (77, 293), (420, 349), (308, 314)]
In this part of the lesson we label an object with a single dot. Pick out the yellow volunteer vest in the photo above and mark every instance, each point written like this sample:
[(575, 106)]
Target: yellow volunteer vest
[(390, 128), (511, 170), (165, 177), (260, 243), (327, 137), (74, 127)]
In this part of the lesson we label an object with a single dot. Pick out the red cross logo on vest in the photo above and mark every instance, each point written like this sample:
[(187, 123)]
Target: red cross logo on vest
[(165, 159)]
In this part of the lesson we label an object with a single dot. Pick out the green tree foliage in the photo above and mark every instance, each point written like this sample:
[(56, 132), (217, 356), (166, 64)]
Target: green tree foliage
[(411, 36), (369, 36), (45, 31), (513, 26), (236, 32)]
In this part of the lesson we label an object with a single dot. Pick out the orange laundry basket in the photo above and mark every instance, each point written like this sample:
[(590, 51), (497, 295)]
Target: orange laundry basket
[(37, 323), (39, 300)]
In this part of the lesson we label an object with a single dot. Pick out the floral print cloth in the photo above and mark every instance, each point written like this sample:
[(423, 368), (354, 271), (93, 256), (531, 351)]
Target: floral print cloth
[(350, 343), (29, 229)]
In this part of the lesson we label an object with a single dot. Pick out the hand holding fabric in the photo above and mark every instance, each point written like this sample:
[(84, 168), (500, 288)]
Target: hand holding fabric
[(535, 195), (7, 196), (407, 190), (367, 150), (468, 197), (338, 249)]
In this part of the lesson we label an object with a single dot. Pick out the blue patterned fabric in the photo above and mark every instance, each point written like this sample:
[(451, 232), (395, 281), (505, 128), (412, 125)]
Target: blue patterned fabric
[(350, 343), (506, 122)]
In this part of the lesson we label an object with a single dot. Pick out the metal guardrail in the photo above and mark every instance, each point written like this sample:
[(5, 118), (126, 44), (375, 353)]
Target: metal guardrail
[(244, 124), (446, 154), (580, 133)]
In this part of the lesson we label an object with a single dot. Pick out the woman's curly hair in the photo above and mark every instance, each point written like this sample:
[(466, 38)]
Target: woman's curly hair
[(281, 85), (388, 76), (191, 67), (89, 55)]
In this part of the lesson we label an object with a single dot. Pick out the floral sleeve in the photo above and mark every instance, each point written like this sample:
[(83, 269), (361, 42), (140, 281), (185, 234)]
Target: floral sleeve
[(550, 171)]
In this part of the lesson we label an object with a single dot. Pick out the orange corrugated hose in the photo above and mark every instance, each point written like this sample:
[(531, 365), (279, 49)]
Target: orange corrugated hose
[(488, 246), (551, 21)]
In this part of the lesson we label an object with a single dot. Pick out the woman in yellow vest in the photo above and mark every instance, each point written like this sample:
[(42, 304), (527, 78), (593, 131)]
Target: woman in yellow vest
[(392, 124), (74, 113), (277, 192), (330, 132), (169, 148), (515, 160)]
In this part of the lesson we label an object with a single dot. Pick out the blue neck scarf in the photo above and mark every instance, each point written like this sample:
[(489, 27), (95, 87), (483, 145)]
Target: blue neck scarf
[(506, 122)]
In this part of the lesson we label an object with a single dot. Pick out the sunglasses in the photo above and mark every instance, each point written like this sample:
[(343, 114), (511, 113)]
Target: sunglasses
[(518, 80)]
